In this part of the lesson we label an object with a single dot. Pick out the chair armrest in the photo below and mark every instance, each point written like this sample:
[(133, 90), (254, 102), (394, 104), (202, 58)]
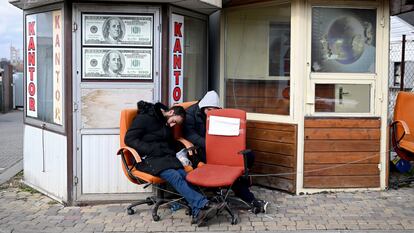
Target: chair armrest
[(405, 128), (403, 124), (244, 153), (132, 151), (188, 145)]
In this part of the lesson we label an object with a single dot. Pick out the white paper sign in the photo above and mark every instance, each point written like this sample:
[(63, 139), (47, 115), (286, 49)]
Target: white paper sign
[(224, 126)]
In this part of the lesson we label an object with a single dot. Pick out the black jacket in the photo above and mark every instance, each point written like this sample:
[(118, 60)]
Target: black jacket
[(152, 139), (195, 128)]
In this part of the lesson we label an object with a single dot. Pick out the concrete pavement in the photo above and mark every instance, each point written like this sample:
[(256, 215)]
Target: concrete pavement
[(24, 210), (11, 144)]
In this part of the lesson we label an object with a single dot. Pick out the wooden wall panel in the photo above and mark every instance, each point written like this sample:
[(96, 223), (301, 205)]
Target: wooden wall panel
[(274, 145), (342, 153)]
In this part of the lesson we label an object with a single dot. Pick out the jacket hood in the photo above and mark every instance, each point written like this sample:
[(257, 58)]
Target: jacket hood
[(211, 99), (152, 109)]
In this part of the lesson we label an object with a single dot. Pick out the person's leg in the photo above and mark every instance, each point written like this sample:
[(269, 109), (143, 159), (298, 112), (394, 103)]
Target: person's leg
[(176, 178), (241, 190)]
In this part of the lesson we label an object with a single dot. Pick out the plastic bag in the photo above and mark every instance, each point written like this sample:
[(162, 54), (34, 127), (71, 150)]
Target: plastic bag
[(182, 156)]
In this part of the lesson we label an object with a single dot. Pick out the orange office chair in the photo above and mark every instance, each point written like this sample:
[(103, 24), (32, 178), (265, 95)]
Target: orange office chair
[(225, 164), (129, 158), (401, 138), (403, 125)]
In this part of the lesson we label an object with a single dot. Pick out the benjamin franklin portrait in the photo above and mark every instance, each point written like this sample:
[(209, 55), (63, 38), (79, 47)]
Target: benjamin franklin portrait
[(113, 63), (113, 30)]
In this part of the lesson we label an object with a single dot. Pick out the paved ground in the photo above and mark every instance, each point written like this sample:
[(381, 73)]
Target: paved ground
[(21, 210), (11, 144), (24, 210)]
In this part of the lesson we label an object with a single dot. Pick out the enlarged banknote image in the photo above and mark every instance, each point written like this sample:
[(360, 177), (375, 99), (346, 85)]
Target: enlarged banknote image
[(123, 30), (101, 63)]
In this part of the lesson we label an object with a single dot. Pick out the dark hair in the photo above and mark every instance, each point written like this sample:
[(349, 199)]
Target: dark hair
[(178, 111)]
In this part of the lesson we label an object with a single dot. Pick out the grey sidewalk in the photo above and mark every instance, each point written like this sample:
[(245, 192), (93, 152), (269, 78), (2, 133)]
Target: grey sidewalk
[(11, 144), (365, 211)]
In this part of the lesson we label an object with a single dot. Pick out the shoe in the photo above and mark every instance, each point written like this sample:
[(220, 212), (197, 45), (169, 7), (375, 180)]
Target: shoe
[(206, 213), (259, 206)]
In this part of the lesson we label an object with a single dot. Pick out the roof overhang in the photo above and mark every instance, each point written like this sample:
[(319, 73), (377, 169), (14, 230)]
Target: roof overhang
[(202, 6), (401, 6)]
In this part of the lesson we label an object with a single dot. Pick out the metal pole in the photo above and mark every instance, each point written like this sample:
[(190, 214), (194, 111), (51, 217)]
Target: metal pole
[(402, 63)]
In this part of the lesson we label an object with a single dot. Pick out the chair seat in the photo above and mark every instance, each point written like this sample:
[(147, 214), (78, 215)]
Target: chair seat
[(210, 175), (146, 177), (153, 179), (407, 145)]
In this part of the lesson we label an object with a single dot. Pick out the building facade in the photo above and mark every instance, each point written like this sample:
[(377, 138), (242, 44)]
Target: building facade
[(312, 76)]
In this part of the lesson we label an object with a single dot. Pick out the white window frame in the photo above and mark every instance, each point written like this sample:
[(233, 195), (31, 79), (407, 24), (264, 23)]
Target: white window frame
[(345, 78)]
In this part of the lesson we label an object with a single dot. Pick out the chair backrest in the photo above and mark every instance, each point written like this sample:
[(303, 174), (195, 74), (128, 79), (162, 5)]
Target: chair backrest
[(403, 110), (177, 129), (223, 150), (127, 116), (126, 119)]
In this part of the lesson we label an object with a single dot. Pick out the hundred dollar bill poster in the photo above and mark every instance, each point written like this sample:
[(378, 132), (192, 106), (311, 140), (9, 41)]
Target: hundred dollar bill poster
[(121, 30), (113, 63)]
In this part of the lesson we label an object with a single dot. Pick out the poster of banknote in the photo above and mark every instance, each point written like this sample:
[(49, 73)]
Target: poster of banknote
[(117, 63), (117, 30)]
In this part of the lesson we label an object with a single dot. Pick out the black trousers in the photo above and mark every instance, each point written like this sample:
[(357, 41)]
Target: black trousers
[(242, 191)]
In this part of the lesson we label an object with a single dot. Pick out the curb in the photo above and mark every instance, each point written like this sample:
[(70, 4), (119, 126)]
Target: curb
[(11, 171)]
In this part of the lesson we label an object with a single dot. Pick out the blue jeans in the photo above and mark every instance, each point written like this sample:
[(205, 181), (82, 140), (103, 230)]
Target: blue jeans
[(176, 178)]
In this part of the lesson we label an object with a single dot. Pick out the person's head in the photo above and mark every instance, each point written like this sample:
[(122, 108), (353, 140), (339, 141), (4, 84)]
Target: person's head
[(113, 29), (113, 62), (175, 115), (209, 102)]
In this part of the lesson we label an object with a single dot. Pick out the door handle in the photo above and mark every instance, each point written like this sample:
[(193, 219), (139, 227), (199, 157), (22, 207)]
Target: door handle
[(341, 94)]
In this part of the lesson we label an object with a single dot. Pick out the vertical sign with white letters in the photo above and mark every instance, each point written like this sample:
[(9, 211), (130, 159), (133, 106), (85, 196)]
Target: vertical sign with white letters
[(176, 59), (31, 68)]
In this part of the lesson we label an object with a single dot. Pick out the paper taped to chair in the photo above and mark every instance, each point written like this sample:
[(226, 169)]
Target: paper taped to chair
[(225, 126)]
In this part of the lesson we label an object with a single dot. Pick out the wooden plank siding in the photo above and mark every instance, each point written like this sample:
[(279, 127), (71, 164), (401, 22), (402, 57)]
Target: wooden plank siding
[(274, 145), (342, 153)]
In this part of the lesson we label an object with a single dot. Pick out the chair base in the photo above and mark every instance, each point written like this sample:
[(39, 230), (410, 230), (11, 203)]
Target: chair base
[(221, 198), (157, 202), (401, 182)]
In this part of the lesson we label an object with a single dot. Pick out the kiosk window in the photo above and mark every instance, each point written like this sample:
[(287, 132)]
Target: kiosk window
[(258, 59), (44, 62), (343, 40), (342, 98)]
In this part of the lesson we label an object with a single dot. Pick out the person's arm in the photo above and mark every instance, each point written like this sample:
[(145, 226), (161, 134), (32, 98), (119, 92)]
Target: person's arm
[(190, 131), (134, 135)]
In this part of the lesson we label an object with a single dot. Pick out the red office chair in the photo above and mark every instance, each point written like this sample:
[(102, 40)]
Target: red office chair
[(225, 164)]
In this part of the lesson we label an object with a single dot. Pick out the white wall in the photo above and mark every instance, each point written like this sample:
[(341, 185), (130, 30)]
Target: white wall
[(101, 167), (45, 159)]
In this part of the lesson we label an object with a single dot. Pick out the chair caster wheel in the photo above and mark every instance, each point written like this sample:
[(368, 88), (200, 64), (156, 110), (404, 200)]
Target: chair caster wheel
[(130, 211), (187, 212), (149, 201), (234, 221), (156, 218)]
